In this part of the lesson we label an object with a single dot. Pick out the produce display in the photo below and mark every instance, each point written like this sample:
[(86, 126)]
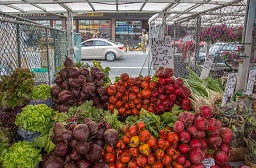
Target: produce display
[(149, 122)]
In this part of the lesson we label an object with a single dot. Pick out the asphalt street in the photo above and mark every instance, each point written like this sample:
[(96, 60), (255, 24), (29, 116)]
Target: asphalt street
[(134, 63)]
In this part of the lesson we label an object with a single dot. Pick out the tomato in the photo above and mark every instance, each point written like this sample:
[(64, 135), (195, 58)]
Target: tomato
[(126, 106), (111, 165), (131, 104), (137, 100), (132, 96), (167, 160), (111, 90), (109, 157), (139, 95), (169, 166), (173, 138), (119, 95), (151, 109), (125, 129), (109, 148), (140, 125), (159, 154), (144, 106), (141, 160), (128, 112), (144, 135), (111, 107), (151, 159), (120, 82), (116, 84), (144, 84), (119, 103), (158, 164), (119, 152), (163, 144), (126, 139), (146, 101), (131, 164), (120, 165), (163, 133), (135, 111), (121, 111), (124, 76), (135, 89), (138, 106), (152, 141), (171, 151), (125, 98), (146, 166), (130, 81), (112, 99), (120, 144), (151, 85), (174, 157), (177, 165), (134, 151), (121, 89), (125, 157), (133, 130)]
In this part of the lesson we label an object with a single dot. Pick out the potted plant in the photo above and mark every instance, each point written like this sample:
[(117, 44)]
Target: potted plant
[(15, 88), (33, 121), (41, 94)]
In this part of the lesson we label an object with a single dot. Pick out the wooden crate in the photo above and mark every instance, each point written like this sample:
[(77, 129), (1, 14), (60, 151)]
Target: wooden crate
[(248, 163), (237, 154)]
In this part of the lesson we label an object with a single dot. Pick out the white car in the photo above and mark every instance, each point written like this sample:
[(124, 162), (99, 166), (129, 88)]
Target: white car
[(99, 48)]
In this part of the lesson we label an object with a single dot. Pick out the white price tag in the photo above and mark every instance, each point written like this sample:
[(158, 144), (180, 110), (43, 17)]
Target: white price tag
[(230, 88), (207, 67), (208, 162), (250, 83), (162, 55)]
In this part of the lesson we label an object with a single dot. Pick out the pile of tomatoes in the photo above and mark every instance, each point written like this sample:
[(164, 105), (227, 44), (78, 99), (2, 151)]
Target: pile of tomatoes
[(129, 94), (138, 148)]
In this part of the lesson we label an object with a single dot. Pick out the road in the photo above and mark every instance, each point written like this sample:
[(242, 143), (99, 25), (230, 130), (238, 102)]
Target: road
[(134, 63)]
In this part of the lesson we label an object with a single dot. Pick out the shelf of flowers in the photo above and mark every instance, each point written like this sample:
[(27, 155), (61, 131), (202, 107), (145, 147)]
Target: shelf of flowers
[(150, 122)]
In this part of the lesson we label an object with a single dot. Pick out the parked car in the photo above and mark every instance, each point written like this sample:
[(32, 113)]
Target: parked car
[(217, 50), (99, 48)]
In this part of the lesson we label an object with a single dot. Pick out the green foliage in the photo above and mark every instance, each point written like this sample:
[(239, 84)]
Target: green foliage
[(106, 70), (41, 92), (44, 141), (20, 155), (15, 88), (4, 140), (35, 118)]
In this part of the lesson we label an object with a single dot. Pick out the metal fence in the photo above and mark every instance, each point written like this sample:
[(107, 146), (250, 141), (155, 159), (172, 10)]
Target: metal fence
[(25, 44), (215, 34)]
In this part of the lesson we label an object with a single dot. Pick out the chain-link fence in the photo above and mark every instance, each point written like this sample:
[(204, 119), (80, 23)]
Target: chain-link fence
[(25, 44), (213, 35)]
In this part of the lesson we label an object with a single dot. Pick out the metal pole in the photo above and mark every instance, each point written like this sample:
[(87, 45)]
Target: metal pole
[(55, 53), (18, 44), (198, 27), (47, 56), (70, 36), (245, 65)]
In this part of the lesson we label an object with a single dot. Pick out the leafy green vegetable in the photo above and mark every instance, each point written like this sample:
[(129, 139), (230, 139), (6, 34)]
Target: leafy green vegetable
[(112, 119), (20, 155), (44, 141), (35, 118), (41, 92)]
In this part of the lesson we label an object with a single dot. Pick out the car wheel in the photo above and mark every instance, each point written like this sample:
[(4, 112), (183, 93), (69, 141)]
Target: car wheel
[(131, 48), (110, 56)]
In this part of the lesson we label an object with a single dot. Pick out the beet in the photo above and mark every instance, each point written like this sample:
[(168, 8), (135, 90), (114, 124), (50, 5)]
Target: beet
[(55, 90), (68, 62), (74, 72), (104, 98), (81, 80), (95, 153), (221, 157), (73, 83), (58, 80), (215, 141), (84, 96), (192, 130), (197, 156), (181, 159), (56, 107), (99, 134), (64, 96), (84, 71), (98, 82), (227, 135), (201, 123), (89, 88), (74, 155), (54, 162), (64, 108), (100, 165), (200, 134), (195, 143), (183, 148), (64, 73), (73, 143), (86, 120), (187, 164), (82, 147), (93, 127), (71, 165), (61, 149), (101, 91), (65, 85), (84, 164), (111, 136), (89, 79), (81, 132), (66, 136), (58, 129), (184, 136), (100, 142), (76, 92), (206, 111), (94, 70), (67, 159), (71, 101), (178, 126), (214, 126), (99, 75)]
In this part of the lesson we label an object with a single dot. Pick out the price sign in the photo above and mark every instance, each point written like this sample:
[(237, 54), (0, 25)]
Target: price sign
[(162, 55), (230, 87), (208, 162), (250, 83), (207, 67)]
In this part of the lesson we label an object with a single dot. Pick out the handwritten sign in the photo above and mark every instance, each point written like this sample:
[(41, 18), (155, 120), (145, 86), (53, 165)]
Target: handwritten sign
[(208, 162), (162, 54), (207, 67), (230, 87), (250, 83)]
